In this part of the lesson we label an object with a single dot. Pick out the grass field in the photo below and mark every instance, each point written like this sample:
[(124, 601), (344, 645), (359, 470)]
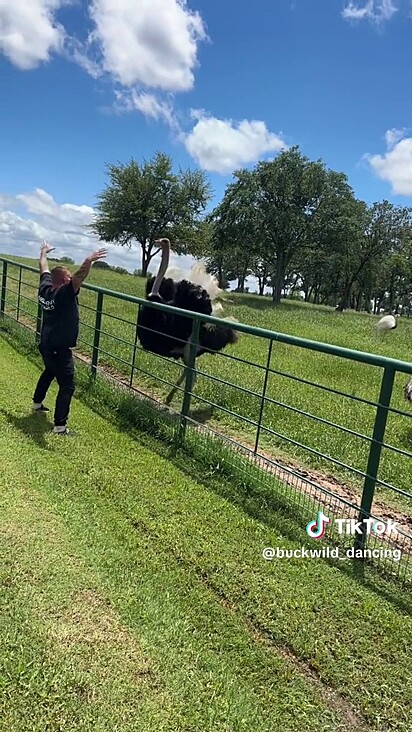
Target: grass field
[(134, 596), (234, 406)]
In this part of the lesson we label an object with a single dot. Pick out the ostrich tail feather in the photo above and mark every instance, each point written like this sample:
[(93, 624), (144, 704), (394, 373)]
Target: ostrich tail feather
[(199, 276)]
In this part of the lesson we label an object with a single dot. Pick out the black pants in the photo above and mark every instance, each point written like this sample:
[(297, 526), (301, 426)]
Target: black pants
[(59, 365)]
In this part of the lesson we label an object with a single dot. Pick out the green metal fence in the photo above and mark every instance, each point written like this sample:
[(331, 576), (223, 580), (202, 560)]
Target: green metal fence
[(109, 344)]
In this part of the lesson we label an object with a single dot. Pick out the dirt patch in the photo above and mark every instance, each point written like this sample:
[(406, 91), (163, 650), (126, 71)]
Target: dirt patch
[(89, 626)]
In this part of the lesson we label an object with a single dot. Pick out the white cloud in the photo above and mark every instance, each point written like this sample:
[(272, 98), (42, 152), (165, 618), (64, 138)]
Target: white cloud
[(148, 104), (42, 204), (393, 136), (222, 146), (154, 44), (395, 166), (29, 31), (375, 10), (28, 218), (75, 50)]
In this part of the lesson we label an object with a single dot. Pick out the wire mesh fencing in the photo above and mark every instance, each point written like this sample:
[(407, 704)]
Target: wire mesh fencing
[(282, 417)]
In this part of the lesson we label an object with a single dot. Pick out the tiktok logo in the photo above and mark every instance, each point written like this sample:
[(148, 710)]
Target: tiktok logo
[(316, 529)]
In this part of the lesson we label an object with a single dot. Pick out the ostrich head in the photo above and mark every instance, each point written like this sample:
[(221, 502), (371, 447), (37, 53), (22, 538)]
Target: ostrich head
[(164, 263)]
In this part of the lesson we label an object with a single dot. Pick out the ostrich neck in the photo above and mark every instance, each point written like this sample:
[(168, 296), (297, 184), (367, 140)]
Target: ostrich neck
[(164, 263)]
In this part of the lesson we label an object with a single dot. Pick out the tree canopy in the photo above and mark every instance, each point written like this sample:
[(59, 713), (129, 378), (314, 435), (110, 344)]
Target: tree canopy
[(292, 223), (144, 202)]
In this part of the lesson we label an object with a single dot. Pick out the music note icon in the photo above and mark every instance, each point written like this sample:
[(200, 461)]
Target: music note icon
[(316, 529)]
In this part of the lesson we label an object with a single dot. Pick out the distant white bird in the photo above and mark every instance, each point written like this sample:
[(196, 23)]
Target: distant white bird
[(388, 322)]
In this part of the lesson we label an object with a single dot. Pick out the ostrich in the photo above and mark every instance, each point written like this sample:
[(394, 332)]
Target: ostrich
[(169, 334)]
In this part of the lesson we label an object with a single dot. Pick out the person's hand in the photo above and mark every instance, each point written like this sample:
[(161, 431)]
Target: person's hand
[(46, 248), (99, 254)]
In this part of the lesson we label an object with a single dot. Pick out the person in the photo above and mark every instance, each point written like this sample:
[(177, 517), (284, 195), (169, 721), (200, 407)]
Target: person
[(58, 297)]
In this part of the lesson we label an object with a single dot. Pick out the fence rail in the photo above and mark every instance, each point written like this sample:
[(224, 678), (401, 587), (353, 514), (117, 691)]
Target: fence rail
[(111, 317)]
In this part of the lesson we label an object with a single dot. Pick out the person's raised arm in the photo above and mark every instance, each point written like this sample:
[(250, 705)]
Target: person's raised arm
[(85, 268), (43, 263)]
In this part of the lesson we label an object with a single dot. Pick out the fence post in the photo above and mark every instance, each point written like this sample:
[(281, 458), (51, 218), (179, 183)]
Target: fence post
[(134, 348), (18, 294), (190, 377), (262, 403), (375, 452), (3, 289), (97, 329)]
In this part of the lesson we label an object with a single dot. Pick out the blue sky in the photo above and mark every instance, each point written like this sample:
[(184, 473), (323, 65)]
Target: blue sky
[(217, 85)]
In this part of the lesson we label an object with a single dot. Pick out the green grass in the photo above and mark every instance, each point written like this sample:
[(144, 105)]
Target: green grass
[(352, 330), (135, 597)]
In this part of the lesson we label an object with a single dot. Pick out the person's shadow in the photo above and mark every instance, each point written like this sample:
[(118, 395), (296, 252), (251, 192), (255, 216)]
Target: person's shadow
[(32, 425)]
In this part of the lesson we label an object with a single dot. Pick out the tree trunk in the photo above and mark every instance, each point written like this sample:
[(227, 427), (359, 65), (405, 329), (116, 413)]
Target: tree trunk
[(145, 260), (392, 293), (279, 279), (220, 277), (345, 296), (262, 280)]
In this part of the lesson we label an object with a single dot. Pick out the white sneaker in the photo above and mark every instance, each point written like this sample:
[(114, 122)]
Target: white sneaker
[(62, 430)]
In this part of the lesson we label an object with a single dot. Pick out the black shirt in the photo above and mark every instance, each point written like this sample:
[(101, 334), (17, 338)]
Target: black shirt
[(60, 307)]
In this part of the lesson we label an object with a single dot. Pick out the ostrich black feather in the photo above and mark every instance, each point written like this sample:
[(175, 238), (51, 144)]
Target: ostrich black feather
[(167, 334)]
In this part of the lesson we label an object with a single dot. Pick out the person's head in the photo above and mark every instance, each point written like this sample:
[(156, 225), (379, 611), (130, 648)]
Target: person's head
[(60, 276)]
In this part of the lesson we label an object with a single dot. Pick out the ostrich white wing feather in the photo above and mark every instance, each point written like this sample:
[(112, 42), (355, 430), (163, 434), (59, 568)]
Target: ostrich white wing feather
[(198, 276)]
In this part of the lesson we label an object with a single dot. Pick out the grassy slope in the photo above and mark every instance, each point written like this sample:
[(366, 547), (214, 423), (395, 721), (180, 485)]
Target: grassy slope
[(317, 323), (137, 599)]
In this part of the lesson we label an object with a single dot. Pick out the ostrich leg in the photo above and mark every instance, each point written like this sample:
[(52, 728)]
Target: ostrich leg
[(174, 389), (182, 377)]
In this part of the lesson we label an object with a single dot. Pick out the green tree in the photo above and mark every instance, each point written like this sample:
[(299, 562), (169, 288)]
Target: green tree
[(138, 273), (235, 231), (384, 229), (335, 235), (265, 214), (100, 264), (144, 202), (289, 195), (389, 277)]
